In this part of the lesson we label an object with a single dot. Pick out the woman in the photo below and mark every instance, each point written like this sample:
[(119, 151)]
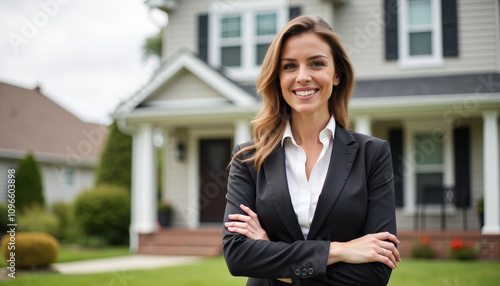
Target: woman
[(324, 196)]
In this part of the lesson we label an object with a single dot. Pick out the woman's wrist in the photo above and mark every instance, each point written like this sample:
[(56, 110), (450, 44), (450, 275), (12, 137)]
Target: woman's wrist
[(335, 253)]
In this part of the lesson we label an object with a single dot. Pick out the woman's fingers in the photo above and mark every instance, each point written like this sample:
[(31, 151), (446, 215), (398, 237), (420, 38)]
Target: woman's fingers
[(247, 225)]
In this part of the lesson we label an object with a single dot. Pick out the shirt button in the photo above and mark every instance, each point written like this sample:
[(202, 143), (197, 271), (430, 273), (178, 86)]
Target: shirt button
[(304, 272), (310, 271), (297, 272)]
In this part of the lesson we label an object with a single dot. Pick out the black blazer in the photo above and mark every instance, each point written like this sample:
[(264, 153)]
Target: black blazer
[(357, 199)]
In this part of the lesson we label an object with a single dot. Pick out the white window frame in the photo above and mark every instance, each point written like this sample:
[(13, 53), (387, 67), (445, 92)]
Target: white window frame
[(427, 61), (410, 167), (249, 70)]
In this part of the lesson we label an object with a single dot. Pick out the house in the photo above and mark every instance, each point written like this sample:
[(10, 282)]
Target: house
[(66, 147), (428, 81)]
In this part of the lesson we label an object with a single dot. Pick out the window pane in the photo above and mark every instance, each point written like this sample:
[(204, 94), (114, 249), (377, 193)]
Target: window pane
[(428, 149), (230, 27), (419, 12), (231, 56), (429, 188), (420, 43), (266, 24), (261, 53), (69, 174)]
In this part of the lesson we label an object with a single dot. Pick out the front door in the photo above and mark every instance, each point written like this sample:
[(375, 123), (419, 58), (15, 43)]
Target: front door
[(215, 155)]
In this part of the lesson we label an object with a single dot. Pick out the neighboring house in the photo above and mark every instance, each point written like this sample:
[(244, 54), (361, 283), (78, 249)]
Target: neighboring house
[(66, 148), (428, 81)]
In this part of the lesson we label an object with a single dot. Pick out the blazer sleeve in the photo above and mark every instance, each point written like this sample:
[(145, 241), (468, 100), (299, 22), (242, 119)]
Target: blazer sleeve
[(259, 258), (380, 217)]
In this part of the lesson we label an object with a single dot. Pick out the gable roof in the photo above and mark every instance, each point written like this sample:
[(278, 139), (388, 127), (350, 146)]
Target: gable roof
[(229, 91), (33, 122)]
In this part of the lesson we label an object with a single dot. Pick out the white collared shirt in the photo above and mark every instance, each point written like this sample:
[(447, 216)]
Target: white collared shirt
[(304, 193)]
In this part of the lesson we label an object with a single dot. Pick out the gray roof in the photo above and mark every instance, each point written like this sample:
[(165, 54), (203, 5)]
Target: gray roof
[(432, 85)]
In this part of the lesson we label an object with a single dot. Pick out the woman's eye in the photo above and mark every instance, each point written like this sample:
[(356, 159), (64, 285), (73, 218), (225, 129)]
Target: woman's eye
[(288, 66), (317, 64)]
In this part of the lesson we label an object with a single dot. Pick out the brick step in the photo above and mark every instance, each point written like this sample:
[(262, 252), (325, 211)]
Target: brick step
[(182, 240), (180, 250), (201, 242)]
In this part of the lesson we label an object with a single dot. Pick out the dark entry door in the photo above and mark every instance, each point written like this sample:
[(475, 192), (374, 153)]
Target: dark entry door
[(215, 154)]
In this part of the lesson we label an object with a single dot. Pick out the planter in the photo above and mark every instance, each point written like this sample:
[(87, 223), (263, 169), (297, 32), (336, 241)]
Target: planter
[(165, 218)]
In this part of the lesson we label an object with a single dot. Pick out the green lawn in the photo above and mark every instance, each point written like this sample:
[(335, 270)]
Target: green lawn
[(213, 271)]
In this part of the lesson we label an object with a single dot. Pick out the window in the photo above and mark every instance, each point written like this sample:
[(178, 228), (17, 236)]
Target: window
[(428, 163), (69, 177), (230, 28), (240, 34), (420, 33)]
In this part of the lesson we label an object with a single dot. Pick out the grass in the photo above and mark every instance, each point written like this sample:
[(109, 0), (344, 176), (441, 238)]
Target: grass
[(69, 253), (213, 271)]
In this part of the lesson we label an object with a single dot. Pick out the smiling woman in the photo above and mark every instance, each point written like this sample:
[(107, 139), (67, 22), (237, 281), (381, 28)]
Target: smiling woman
[(308, 201)]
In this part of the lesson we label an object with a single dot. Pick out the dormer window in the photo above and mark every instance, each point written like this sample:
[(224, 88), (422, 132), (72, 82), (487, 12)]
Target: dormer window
[(240, 34)]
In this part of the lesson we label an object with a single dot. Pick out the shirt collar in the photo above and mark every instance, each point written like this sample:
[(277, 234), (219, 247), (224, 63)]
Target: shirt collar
[(329, 131)]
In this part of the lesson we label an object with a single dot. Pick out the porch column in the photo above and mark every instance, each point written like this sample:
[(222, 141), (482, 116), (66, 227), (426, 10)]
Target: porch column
[(491, 173), (241, 131), (143, 185), (363, 124)]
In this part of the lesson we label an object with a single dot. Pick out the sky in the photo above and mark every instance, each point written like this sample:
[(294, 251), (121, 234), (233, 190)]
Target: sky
[(86, 55)]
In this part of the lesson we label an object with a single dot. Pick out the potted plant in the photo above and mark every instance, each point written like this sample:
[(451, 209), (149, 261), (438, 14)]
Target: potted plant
[(480, 211), (165, 213)]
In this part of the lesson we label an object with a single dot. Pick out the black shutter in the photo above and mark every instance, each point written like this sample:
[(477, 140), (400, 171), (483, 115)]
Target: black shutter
[(450, 27), (294, 12), (396, 143), (391, 29), (461, 137), (203, 37)]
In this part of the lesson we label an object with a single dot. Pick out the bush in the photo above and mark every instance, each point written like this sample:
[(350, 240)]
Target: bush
[(104, 211), (462, 250), (422, 248), (115, 165), (29, 189), (32, 249), (36, 219), (69, 231)]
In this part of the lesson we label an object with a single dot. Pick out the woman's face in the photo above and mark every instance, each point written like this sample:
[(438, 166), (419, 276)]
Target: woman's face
[(307, 74)]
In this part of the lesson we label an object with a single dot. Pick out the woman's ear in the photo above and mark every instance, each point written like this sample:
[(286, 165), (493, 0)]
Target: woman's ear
[(336, 80)]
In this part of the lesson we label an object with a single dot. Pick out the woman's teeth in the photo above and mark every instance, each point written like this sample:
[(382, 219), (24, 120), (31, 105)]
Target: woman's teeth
[(305, 92)]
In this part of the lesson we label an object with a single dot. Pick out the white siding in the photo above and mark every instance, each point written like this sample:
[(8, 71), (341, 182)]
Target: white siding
[(182, 29), (184, 85), (360, 24), (316, 8), (175, 181)]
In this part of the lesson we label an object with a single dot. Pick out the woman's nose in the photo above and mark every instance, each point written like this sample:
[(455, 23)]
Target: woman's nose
[(303, 75)]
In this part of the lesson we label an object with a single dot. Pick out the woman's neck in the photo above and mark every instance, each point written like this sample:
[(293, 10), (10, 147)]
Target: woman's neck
[(306, 128)]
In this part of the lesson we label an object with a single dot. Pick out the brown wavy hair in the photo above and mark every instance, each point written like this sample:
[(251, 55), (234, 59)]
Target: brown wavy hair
[(269, 125)]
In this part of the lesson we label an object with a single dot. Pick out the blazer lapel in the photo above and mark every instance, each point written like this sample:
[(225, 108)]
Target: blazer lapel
[(275, 172), (343, 154)]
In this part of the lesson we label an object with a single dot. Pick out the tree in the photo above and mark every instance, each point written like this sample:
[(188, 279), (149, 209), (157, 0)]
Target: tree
[(153, 46), (29, 188), (115, 165)]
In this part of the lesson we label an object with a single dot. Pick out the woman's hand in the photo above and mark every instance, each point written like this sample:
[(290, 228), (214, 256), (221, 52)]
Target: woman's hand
[(248, 226), (377, 247)]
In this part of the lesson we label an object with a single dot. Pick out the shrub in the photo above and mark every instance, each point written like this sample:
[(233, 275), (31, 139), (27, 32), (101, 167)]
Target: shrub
[(115, 165), (463, 250), (104, 211), (68, 229), (29, 189), (36, 219), (422, 248), (32, 249)]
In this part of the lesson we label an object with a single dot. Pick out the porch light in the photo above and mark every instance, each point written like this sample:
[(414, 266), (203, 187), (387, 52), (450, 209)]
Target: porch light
[(181, 151)]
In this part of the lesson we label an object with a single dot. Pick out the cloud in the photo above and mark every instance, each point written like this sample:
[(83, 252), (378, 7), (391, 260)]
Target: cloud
[(85, 54)]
